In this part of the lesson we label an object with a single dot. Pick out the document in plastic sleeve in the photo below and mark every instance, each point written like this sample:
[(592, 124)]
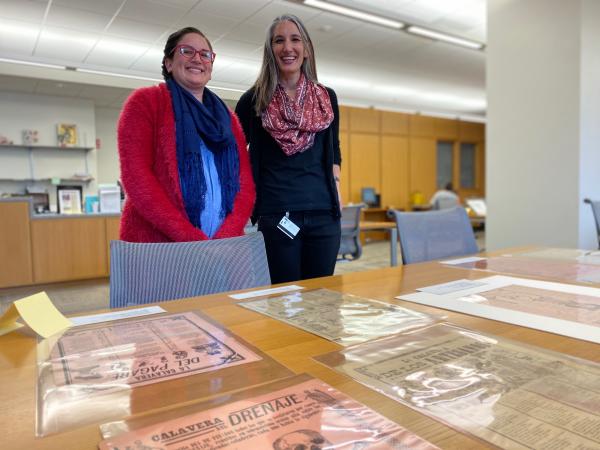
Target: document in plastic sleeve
[(342, 318), (509, 394), (309, 415)]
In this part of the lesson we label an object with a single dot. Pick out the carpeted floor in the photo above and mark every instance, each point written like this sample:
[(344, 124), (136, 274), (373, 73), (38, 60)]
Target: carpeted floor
[(80, 296)]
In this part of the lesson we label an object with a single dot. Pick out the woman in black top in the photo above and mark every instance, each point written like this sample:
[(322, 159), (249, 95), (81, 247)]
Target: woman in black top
[(292, 123)]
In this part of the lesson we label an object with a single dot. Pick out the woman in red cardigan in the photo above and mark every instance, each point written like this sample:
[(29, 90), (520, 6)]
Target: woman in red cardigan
[(184, 163)]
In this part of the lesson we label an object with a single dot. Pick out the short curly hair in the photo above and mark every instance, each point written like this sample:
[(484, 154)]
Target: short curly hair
[(172, 42)]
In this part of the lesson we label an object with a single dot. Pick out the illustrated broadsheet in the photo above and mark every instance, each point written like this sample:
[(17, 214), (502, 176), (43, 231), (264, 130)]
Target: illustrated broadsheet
[(111, 370), (144, 351), (558, 308), (308, 415), (509, 394), (342, 318), (554, 268)]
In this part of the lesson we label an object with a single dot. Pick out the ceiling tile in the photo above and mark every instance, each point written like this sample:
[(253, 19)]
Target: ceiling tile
[(116, 53), (247, 32), (77, 19), (234, 48), (209, 24), (151, 12), (150, 62), (185, 4), (131, 29), (105, 7), (17, 37), (266, 15), (61, 43), (28, 11), (238, 10)]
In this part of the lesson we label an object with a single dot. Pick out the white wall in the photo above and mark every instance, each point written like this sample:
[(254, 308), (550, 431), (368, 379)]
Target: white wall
[(108, 158), (19, 111), (538, 135), (589, 161)]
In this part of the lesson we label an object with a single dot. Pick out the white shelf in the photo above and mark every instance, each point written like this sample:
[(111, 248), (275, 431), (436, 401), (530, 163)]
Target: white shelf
[(30, 150), (44, 147)]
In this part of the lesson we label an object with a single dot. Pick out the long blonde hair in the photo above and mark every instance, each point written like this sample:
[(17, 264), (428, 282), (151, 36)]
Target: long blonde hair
[(265, 84)]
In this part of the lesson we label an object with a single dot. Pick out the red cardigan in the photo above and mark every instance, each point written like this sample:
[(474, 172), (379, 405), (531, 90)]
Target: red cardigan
[(154, 209)]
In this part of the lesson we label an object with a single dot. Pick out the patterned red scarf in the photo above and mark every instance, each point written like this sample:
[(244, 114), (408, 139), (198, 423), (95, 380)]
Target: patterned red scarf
[(294, 123)]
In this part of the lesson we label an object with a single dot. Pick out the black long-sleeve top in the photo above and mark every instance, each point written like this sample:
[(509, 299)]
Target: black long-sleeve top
[(300, 182)]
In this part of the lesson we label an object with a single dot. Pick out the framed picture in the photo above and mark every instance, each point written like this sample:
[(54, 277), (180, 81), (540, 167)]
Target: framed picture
[(66, 134), (69, 199), (30, 137)]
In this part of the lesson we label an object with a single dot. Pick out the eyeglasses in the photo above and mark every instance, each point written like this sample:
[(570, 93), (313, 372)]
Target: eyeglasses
[(189, 52)]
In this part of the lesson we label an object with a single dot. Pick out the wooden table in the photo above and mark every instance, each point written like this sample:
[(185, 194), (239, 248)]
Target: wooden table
[(390, 227), (288, 345)]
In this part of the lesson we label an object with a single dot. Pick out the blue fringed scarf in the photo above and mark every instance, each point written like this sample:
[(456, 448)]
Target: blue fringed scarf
[(210, 122)]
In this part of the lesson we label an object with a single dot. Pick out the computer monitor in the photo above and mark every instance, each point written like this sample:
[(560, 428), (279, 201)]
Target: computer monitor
[(369, 197)]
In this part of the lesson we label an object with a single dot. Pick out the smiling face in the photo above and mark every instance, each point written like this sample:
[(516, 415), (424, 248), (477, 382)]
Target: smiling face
[(192, 74), (288, 49)]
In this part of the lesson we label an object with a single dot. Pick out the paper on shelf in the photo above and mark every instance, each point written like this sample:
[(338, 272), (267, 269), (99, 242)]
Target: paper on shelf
[(38, 312)]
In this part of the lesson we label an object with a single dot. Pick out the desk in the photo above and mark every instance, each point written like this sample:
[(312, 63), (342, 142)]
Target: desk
[(390, 227), (288, 345)]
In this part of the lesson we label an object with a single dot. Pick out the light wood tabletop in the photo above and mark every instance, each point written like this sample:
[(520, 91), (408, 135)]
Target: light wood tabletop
[(289, 346)]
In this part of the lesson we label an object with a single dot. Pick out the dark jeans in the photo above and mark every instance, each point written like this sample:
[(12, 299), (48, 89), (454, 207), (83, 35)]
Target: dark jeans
[(312, 253)]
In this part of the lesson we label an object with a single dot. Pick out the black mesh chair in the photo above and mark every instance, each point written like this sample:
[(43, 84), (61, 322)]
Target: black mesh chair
[(143, 273), (595, 204), (350, 248)]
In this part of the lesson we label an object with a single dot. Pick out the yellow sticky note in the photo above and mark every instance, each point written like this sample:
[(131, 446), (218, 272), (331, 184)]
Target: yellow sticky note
[(8, 321), (38, 312)]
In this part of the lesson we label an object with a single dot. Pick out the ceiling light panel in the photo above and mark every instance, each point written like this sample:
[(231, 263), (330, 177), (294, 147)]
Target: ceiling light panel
[(436, 35), (354, 13)]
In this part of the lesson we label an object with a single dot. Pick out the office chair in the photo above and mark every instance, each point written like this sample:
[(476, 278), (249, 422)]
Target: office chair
[(595, 204), (143, 273), (429, 235), (350, 247), (445, 203)]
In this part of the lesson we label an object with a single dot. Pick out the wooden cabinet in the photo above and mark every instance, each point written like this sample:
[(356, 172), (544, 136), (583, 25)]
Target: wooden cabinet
[(15, 244), (394, 172), (423, 166), (365, 161), (69, 249)]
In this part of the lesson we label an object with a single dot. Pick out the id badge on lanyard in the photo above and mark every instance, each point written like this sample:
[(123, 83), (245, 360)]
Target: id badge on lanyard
[(287, 227)]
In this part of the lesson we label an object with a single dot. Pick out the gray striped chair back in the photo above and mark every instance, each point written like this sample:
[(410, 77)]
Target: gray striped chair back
[(153, 272)]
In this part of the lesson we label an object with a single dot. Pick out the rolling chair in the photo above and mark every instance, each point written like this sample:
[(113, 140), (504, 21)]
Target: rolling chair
[(425, 236), (350, 247), (595, 204), (143, 273)]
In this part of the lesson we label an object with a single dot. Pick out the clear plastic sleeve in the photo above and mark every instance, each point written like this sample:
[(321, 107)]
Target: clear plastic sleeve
[(345, 319), (554, 269), (509, 394), (101, 372), (297, 413), (565, 254), (567, 309)]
